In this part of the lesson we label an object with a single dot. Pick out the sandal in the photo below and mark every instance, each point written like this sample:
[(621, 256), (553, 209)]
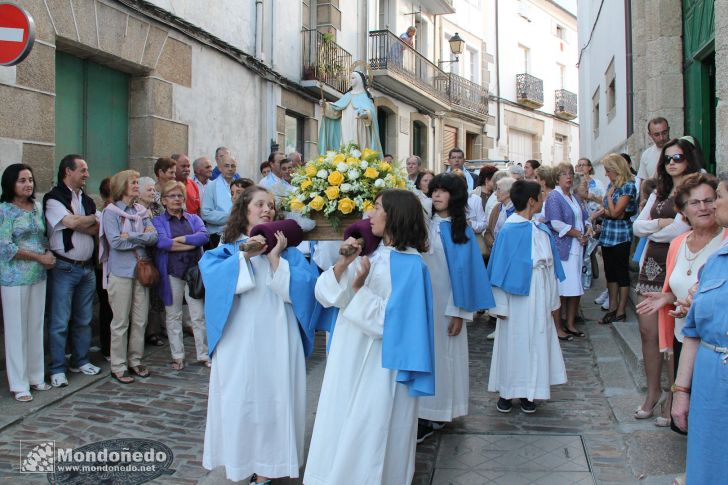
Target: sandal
[(575, 333), (123, 378), (619, 318), (608, 317), (567, 338), (23, 396), (43, 386), (155, 340), (206, 363), (139, 371), (178, 364)]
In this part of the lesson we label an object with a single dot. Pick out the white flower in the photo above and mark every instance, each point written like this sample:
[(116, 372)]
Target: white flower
[(322, 174), (342, 167), (364, 164), (379, 183), (353, 174), (355, 153), (346, 187)]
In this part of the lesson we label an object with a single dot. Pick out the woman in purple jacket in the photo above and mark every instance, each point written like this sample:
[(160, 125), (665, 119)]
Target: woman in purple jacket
[(179, 247), (570, 225)]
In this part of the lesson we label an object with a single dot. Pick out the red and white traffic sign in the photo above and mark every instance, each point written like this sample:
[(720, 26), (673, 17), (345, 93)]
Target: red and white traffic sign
[(17, 34)]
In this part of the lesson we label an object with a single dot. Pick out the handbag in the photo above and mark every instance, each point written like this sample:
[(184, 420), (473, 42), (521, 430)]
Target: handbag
[(145, 271), (195, 285)]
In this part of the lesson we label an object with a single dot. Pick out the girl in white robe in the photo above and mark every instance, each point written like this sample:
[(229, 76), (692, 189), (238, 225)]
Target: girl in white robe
[(527, 358), (257, 395), (365, 423)]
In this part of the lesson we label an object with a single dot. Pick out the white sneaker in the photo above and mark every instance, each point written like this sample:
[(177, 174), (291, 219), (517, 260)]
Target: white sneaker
[(89, 369), (59, 380), (602, 297), (605, 304), (491, 336)]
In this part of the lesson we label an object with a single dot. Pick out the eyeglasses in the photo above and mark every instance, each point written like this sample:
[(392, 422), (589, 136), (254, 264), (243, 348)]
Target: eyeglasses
[(175, 196), (677, 158), (696, 203), (569, 174)]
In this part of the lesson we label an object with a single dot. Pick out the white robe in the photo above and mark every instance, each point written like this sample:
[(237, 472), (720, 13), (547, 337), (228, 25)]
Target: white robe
[(452, 375), (527, 357), (365, 430), (256, 407)]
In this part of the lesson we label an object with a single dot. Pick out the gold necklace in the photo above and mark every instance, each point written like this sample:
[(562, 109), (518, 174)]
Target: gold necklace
[(691, 261)]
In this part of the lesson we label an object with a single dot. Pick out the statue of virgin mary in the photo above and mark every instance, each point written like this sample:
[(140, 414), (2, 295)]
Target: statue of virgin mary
[(353, 118)]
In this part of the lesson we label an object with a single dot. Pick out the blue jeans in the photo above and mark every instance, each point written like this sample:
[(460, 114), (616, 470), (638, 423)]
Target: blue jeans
[(72, 298)]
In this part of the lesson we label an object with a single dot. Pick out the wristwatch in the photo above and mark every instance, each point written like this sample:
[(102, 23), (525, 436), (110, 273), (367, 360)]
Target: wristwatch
[(675, 388)]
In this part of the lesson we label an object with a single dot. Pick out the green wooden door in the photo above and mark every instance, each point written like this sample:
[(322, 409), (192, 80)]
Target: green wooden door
[(92, 116), (699, 75)]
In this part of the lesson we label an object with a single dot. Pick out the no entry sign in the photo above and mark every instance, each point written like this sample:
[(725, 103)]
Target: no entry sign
[(17, 34)]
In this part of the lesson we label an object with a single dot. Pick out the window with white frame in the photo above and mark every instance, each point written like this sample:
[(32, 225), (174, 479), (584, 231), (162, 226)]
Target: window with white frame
[(524, 57)]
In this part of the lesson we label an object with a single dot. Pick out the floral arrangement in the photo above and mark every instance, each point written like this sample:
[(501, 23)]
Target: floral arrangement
[(341, 184)]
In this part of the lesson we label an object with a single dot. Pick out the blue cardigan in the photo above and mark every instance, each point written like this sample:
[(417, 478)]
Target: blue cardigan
[(199, 237), (556, 208)]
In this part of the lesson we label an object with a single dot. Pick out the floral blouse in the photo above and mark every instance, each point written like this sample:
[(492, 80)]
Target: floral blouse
[(21, 229)]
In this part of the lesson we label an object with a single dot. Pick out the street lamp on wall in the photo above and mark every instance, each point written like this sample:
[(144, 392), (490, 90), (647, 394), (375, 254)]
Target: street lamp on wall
[(457, 46)]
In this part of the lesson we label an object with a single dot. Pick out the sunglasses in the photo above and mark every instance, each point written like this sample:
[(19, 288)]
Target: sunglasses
[(677, 158)]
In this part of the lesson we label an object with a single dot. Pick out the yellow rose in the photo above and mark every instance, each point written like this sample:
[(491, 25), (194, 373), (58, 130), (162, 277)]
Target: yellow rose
[(371, 173), (336, 178), (346, 205), (306, 184), (367, 206), (339, 157), (401, 184), (352, 160), (385, 167), (296, 205), (368, 153), (317, 203), (311, 170), (332, 192)]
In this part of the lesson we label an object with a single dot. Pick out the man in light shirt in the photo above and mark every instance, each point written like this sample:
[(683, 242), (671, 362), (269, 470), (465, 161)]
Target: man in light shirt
[(71, 223), (218, 202), (659, 131), (456, 158), (275, 176), (413, 166), (203, 171)]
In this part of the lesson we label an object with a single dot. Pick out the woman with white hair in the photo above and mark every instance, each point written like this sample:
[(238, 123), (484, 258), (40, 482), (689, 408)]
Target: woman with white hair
[(149, 199)]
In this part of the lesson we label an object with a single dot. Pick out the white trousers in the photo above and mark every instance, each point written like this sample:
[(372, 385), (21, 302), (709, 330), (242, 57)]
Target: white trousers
[(23, 312), (180, 291), (127, 296)]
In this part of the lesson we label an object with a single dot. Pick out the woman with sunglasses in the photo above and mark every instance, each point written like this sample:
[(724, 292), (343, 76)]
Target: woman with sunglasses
[(660, 223)]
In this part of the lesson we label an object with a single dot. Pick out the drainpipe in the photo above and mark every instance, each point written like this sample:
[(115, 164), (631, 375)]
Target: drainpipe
[(259, 29), (364, 28), (629, 69), (497, 75)]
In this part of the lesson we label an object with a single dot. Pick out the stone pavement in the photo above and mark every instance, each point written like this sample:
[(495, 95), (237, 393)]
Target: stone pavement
[(584, 434)]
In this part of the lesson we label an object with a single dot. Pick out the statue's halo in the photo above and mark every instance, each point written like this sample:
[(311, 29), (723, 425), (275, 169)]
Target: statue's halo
[(364, 68)]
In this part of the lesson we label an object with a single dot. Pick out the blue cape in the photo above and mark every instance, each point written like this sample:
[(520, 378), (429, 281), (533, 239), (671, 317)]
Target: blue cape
[(330, 130), (471, 289), (408, 344), (510, 266), (219, 268)]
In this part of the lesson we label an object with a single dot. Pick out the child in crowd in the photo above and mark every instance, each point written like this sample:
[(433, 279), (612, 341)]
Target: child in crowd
[(523, 270), (460, 288), (381, 356), (258, 318)]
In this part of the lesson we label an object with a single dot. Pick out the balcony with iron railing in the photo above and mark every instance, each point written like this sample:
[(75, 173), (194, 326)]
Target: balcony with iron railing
[(400, 68), (467, 95), (529, 90), (565, 103), (324, 62)]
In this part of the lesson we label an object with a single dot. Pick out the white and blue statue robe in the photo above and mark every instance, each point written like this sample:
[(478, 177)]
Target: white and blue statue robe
[(336, 114), (259, 330), (524, 267), (460, 287), (381, 360)]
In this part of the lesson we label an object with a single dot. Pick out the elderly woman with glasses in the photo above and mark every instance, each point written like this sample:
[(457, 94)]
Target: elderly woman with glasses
[(570, 225), (179, 248), (660, 223), (700, 402)]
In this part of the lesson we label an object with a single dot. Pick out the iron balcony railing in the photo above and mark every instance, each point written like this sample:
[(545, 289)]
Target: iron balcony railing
[(529, 90), (565, 104), (326, 61), (467, 94), (388, 52)]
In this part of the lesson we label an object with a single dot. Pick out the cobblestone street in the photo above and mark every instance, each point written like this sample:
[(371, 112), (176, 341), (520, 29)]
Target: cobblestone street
[(584, 434)]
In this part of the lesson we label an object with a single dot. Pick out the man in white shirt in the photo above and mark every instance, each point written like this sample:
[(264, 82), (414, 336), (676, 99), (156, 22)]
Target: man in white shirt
[(275, 175), (71, 224), (659, 131), (202, 167), (413, 166), (456, 158), (217, 202)]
